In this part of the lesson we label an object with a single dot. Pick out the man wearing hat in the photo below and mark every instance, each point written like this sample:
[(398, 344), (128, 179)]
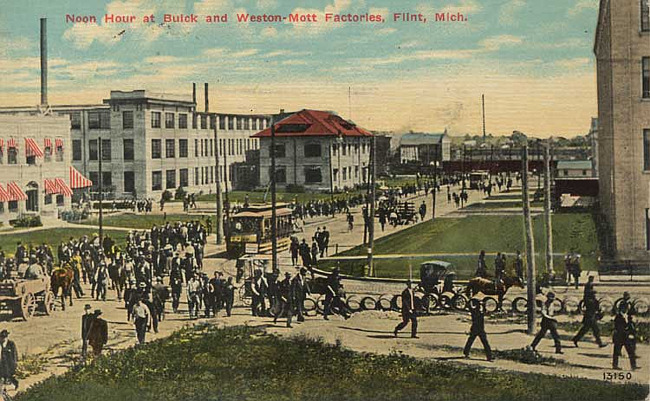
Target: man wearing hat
[(229, 295), (97, 333), (478, 329), (141, 319), (624, 336), (8, 359), (549, 323), (590, 319), (86, 320), (299, 291), (284, 299), (408, 311), (333, 295)]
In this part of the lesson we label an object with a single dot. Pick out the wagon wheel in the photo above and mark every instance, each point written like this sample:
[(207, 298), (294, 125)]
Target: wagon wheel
[(27, 305), (48, 304), (309, 305), (459, 301), (490, 304)]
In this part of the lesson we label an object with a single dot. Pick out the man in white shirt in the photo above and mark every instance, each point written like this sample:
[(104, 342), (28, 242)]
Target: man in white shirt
[(142, 319), (549, 323)]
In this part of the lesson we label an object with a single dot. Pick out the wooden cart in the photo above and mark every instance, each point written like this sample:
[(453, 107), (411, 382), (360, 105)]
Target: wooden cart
[(24, 297)]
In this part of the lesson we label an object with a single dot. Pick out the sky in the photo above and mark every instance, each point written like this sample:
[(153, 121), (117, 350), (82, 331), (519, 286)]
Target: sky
[(532, 60)]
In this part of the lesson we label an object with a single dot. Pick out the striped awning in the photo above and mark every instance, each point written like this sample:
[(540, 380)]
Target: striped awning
[(77, 180), (47, 143), (4, 195), (58, 142), (11, 143), (32, 149), (50, 187), (62, 187), (15, 193)]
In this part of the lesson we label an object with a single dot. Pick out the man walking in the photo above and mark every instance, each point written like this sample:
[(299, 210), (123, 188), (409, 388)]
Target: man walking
[(590, 319), (624, 336), (142, 319), (284, 299), (549, 323), (477, 329), (98, 333), (299, 291), (86, 320), (8, 359), (408, 311)]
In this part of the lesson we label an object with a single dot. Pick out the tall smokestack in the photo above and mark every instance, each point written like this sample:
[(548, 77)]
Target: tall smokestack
[(207, 102), (44, 61), (194, 92)]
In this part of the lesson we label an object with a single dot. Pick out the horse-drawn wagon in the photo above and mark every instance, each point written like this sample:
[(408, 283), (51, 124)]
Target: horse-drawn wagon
[(23, 297)]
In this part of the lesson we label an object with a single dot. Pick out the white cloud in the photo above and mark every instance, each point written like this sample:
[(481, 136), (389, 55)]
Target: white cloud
[(582, 5), (409, 45), (211, 7), (269, 32), (462, 6), (497, 42), (214, 52), (267, 4), (244, 53), (386, 31), (379, 11), (509, 10), (573, 63), (162, 59)]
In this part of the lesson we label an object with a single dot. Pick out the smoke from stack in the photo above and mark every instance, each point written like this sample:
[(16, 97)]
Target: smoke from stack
[(44, 61)]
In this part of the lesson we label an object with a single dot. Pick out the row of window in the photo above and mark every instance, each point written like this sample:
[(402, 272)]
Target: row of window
[(12, 156), (313, 174), (102, 120), (645, 16), (202, 176), (203, 147), (314, 149)]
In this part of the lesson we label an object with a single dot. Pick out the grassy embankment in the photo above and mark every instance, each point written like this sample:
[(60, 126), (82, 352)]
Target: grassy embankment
[(242, 363)]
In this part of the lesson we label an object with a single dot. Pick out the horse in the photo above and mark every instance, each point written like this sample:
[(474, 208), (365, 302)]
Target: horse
[(119, 277), (62, 278), (488, 287)]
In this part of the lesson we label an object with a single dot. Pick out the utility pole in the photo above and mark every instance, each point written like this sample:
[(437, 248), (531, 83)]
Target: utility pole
[(483, 109), (371, 227), (274, 229), (219, 223), (435, 182), (530, 244), (101, 192), (547, 210)]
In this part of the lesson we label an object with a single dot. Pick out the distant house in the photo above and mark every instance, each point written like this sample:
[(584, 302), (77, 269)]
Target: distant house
[(574, 168), (315, 149), (424, 148)]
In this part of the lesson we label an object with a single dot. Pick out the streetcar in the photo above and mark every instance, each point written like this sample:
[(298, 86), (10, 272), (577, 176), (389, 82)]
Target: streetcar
[(249, 230), (476, 178)]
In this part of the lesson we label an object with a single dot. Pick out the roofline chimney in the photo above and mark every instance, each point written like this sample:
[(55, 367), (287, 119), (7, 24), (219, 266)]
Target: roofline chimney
[(44, 61), (207, 101), (194, 93)]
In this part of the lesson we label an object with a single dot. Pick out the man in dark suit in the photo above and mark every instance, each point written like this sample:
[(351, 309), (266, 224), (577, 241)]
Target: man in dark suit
[(98, 333), (8, 359), (299, 291), (624, 336), (549, 323), (86, 319), (590, 319), (477, 329), (284, 300), (408, 311)]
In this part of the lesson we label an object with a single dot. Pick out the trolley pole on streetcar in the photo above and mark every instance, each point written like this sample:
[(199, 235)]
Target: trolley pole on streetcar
[(371, 217), (434, 193), (274, 230), (218, 229), (530, 244)]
